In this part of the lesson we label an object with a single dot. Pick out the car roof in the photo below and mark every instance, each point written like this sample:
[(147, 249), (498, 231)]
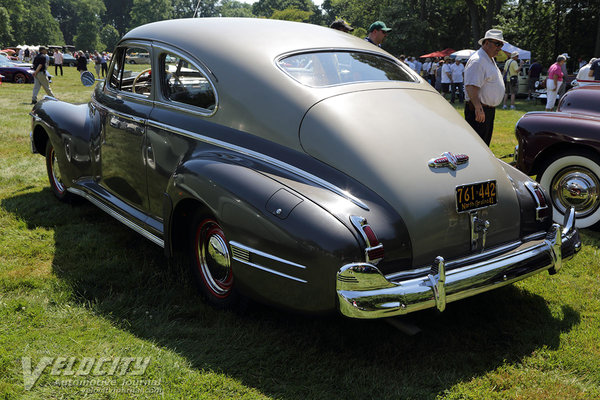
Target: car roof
[(227, 37)]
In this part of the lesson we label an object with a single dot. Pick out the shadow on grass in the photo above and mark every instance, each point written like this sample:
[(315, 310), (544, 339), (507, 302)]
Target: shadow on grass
[(127, 279)]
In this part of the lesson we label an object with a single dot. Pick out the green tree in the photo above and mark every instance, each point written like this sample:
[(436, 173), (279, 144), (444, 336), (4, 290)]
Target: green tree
[(233, 8), (109, 36), (78, 18), (266, 8), (551, 27), (146, 11), (41, 27), (292, 14), (6, 37), (189, 8), (117, 14)]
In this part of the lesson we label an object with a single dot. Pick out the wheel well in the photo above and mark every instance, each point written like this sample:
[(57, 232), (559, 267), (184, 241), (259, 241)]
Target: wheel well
[(180, 219), (564, 148), (40, 139)]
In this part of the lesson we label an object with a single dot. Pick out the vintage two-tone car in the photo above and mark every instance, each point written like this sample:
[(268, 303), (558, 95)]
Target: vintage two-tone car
[(300, 166), (563, 150)]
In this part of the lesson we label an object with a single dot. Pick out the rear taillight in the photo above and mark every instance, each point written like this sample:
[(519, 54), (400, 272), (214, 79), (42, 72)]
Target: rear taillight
[(374, 251), (542, 211)]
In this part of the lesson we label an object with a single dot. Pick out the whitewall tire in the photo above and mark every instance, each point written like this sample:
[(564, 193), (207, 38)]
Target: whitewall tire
[(573, 180)]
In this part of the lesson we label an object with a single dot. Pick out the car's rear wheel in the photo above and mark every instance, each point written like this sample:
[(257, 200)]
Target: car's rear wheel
[(19, 78), (573, 180), (54, 175), (210, 261)]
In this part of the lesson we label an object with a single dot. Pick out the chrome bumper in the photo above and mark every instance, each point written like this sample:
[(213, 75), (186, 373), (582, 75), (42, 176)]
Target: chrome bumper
[(364, 292)]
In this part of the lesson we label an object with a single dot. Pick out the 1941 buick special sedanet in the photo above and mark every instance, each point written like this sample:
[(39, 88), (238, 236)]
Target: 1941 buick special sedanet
[(299, 166)]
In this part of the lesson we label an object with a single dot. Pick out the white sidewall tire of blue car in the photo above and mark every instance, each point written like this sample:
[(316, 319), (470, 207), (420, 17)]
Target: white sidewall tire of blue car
[(556, 167)]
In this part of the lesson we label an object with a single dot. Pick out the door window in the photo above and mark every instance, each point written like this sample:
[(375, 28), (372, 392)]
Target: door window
[(182, 82)]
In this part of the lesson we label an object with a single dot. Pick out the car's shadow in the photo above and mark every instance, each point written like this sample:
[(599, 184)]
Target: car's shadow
[(129, 281)]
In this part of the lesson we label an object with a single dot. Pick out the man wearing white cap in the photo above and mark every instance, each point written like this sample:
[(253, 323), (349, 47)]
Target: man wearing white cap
[(511, 71), (484, 85)]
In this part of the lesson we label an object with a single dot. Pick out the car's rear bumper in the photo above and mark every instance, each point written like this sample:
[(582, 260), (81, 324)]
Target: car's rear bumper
[(364, 292)]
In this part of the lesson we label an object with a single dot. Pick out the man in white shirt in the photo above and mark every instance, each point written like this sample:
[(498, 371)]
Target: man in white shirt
[(457, 70), (484, 85), (58, 62), (446, 76)]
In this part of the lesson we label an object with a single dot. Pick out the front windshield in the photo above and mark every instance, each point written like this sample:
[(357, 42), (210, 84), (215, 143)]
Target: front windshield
[(337, 68)]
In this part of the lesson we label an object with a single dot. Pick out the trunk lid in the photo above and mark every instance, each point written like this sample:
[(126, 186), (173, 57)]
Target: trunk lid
[(384, 138)]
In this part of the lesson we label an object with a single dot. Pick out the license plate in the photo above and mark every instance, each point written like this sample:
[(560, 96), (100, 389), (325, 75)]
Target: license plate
[(476, 195)]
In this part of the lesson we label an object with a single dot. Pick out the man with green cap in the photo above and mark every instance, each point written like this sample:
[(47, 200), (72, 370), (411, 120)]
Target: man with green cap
[(377, 32)]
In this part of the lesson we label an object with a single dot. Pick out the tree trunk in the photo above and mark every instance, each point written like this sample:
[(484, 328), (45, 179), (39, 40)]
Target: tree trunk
[(597, 48), (474, 13)]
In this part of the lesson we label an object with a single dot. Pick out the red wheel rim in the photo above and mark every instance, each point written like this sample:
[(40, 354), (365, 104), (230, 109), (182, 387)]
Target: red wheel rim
[(213, 258)]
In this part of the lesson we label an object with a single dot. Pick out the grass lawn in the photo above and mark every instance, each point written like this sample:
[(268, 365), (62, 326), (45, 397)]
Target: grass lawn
[(75, 283)]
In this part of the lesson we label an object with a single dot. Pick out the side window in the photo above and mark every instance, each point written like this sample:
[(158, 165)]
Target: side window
[(131, 71), (182, 82)]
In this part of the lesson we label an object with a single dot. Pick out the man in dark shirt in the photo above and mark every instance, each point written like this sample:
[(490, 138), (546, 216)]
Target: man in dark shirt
[(595, 70), (535, 70), (39, 75)]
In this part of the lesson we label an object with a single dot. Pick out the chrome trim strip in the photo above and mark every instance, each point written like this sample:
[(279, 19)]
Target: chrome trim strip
[(270, 270), (128, 117), (125, 221), (270, 160), (266, 255), (364, 292)]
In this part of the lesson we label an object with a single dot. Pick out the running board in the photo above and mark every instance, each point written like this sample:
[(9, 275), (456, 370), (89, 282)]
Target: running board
[(119, 217)]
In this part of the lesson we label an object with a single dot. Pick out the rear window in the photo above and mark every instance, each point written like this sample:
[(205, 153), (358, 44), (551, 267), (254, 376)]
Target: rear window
[(337, 68)]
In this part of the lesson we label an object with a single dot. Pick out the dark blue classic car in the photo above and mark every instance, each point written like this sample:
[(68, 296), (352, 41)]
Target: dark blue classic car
[(300, 166), (15, 73)]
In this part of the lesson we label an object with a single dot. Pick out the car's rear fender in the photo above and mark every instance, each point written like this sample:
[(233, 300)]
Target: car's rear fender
[(279, 238)]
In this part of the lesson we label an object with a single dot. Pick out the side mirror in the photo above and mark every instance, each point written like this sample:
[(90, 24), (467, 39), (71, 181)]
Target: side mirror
[(87, 78)]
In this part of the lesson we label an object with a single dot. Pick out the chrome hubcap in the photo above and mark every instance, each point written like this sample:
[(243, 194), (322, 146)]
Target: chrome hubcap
[(56, 174), (576, 187), (214, 260)]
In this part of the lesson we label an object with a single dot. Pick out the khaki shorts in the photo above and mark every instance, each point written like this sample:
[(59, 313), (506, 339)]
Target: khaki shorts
[(511, 88)]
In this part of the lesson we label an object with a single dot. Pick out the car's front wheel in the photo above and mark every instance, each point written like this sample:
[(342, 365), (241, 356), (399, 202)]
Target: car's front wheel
[(54, 176), (210, 261), (573, 180)]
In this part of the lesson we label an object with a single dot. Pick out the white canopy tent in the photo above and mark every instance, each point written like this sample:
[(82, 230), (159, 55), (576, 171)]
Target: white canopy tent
[(464, 54), (523, 54)]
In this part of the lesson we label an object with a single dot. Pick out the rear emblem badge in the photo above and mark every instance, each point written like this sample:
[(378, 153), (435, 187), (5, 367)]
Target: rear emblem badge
[(449, 160)]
